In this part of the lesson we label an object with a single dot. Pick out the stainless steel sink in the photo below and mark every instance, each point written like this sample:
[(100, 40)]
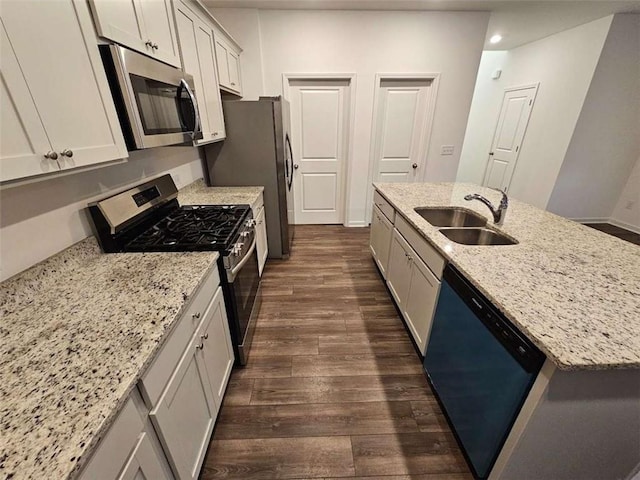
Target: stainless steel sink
[(451, 217), (477, 236)]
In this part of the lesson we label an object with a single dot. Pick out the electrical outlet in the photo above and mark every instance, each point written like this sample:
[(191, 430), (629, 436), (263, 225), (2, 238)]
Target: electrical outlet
[(446, 150), (630, 205)]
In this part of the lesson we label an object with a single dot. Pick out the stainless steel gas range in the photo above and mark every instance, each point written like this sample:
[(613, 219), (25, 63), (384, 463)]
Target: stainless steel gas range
[(148, 218)]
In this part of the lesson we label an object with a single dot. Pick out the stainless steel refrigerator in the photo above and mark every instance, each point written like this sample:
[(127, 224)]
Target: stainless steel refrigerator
[(257, 151)]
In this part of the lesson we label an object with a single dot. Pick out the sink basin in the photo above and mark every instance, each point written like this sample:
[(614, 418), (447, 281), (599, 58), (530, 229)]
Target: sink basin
[(451, 217), (477, 236)]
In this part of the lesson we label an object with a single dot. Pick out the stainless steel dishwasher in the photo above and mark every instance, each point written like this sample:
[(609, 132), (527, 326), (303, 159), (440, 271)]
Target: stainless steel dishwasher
[(481, 369)]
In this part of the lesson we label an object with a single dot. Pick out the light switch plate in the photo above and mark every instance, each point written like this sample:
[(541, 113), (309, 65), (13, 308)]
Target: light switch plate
[(446, 150)]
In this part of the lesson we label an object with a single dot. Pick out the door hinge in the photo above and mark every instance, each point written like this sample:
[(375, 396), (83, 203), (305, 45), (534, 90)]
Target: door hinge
[(517, 148), (530, 102)]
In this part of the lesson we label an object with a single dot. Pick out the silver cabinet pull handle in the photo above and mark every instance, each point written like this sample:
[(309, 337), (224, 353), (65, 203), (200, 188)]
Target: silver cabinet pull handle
[(51, 155), (149, 43), (205, 336), (232, 83), (196, 315), (155, 46), (200, 346), (67, 153)]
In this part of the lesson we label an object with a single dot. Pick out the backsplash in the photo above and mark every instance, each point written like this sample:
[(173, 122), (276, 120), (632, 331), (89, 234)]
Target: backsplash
[(44, 217)]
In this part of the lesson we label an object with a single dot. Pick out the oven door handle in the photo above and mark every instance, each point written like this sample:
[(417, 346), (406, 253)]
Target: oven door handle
[(196, 134), (234, 271)]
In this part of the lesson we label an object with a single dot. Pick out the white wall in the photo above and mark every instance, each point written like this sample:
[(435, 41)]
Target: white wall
[(563, 64), (485, 109), (626, 213), (42, 218), (606, 141), (366, 43)]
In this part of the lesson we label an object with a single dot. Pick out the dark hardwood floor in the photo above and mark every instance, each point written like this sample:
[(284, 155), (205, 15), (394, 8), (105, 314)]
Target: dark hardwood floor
[(616, 232), (333, 387)]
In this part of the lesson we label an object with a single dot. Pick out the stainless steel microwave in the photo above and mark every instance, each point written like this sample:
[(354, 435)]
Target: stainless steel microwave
[(155, 102)]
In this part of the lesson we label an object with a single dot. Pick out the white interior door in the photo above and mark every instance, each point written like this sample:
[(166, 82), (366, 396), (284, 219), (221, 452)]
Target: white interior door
[(510, 131), (401, 128), (319, 127)]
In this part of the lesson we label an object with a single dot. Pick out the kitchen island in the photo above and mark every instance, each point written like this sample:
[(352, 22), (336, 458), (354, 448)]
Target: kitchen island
[(575, 293)]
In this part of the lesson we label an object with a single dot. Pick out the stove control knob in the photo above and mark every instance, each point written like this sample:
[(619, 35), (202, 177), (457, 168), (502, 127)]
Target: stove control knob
[(245, 234), (251, 222), (237, 248)]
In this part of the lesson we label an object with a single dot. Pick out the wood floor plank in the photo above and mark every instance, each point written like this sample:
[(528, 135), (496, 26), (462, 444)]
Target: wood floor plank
[(379, 325), (274, 346), (407, 453), (429, 416), (238, 390), (265, 367), (392, 342), (279, 458), (273, 391), (348, 365), (317, 420)]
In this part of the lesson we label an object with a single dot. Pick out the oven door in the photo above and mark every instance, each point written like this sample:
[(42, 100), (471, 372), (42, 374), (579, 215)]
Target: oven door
[(243, 285), (157, 100)]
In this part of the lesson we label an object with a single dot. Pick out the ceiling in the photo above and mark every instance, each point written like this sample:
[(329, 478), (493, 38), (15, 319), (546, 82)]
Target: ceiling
[(518, 21)]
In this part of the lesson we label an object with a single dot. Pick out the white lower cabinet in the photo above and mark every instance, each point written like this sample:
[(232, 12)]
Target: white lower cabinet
[(187, 409), (164, 429), (380, 240), (129, 449), (414, 287)]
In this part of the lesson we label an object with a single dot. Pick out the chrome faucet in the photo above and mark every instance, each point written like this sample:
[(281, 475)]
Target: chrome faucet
[(500, 212)]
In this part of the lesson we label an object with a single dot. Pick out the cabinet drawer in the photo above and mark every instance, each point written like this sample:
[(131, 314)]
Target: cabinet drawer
[(427, 253), (384, 206), (156, 377)]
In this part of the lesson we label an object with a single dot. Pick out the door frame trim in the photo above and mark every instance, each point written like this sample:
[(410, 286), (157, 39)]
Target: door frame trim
[(425, 135), (535, 86), (347, 167)]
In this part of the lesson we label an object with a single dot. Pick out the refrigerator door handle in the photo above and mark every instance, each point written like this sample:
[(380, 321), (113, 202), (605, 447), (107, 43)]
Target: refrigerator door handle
[(289, 170)]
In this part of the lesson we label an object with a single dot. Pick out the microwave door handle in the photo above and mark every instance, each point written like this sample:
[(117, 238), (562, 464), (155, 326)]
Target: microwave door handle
[(197, 128)]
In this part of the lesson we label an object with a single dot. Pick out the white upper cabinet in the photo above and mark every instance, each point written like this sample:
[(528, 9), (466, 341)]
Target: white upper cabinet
[(198, 57), (57, 110), (228, 59), (142, 25)]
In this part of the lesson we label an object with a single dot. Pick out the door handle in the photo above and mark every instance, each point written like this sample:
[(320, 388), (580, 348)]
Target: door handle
[(296, 166), (414, 166)]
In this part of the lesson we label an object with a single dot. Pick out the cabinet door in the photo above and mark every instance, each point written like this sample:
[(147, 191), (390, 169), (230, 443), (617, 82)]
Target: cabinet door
[(421, 301), (380, 240), (143, 463), (23, 140), (187, 24), (222, 61), (66, 79), (217, 349), (399, 270), (212, 99), (234, 71), (186, 412), (120, 21), (261, 240), (158, 26)]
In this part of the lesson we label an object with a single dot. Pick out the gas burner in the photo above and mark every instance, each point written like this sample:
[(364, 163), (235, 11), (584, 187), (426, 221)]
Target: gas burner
[(192, 227)]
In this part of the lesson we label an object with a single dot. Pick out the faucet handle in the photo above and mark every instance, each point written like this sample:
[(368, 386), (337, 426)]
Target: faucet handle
[(504, 202)]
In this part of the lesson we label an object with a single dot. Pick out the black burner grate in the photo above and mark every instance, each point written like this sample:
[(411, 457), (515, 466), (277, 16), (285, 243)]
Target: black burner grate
[(192, 227)]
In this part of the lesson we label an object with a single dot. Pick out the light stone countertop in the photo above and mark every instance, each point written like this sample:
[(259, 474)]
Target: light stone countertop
[(197, 193), (574, 291), (78, 330)]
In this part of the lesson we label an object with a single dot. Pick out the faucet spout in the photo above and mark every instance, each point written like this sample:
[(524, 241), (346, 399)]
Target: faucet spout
[(498, 213)]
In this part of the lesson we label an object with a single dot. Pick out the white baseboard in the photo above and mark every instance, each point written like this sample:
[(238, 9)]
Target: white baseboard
[(626, 226), (357, 223)]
